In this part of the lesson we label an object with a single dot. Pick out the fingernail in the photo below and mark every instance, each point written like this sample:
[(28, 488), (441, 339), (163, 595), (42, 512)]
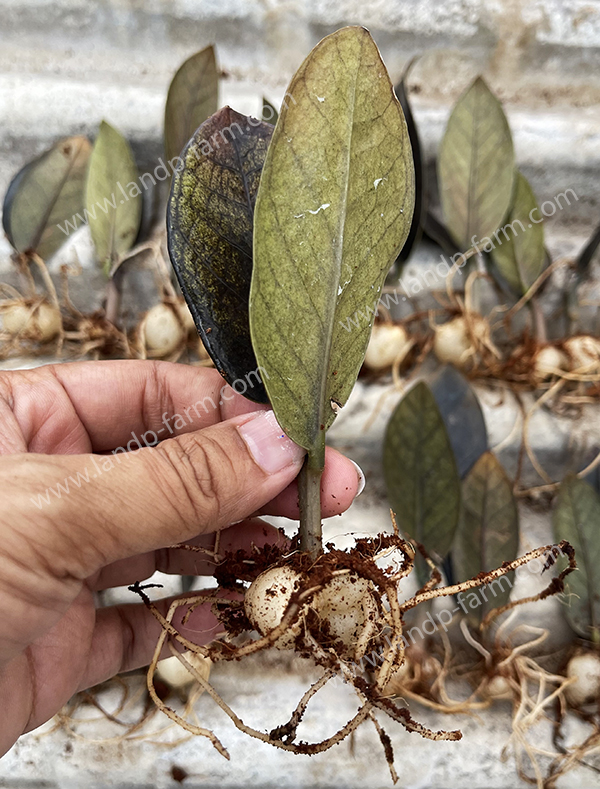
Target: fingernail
[(361, 478), (268, 444)]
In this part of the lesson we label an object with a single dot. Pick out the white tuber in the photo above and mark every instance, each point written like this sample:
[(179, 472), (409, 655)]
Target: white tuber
[(346, 605), (41, 323), (585, 668), (549, 361), (584, 353), (172, 671), (267, 598), (498, 687), (162, 330), (388, 343), (452, 343)]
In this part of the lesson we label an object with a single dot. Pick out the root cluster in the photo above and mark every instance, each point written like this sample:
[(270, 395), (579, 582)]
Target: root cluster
[(369, 663)]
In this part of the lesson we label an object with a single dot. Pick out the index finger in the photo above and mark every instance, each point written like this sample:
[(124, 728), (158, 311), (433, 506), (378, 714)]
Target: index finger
[(117, 401)]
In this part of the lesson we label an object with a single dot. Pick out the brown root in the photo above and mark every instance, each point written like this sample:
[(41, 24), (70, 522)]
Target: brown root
[(381, 640)]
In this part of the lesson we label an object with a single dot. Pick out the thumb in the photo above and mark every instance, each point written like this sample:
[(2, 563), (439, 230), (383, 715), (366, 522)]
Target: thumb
[(78, 513)]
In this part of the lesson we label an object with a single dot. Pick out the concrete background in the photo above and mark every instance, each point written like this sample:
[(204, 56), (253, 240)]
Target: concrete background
[(67, 64)]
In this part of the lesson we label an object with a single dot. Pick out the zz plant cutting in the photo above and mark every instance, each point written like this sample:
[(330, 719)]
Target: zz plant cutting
[(277, 235)]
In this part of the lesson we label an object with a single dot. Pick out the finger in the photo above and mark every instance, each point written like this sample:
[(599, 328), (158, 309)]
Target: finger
[(125, 636), (341, 483), (196, 483), (98, 406), (179, 561)]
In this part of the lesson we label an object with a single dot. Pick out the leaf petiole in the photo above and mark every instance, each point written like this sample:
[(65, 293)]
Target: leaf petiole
[(309, 499)]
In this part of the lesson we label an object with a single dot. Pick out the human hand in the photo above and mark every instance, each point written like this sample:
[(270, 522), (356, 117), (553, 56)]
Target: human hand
[(75, 517)]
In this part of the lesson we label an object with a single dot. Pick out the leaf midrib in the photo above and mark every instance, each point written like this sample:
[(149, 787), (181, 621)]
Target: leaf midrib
[(54, 199), (325, 371)]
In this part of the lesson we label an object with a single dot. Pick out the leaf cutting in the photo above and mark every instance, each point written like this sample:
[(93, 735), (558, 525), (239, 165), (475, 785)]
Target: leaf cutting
[(269, 112), (462, 415), (192, 98), (209, 222), (416, 227), (576, 518), (46, 193), (420, 472), (113, 196), (333, 209), (476, 166), (488, 532), (520, 255)]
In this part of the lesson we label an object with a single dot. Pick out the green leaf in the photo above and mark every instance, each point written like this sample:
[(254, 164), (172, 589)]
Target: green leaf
[(192, 98), (487, 534), (520, 254), (420, 472), (415, 232), (209, 226), (576, 518), (46, 193), (333, 209), (476, 166), (269, 113), (113, 196)]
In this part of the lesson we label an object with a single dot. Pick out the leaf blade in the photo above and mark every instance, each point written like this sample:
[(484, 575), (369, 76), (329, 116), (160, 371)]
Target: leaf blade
[(192, 98), (488, 531), (47, 192), (576, 518), (520, 257), (420, 471), (269, 112), (114, 213), (476, 166), (416, 228), (340, 155), (462, 415), (210, 225)]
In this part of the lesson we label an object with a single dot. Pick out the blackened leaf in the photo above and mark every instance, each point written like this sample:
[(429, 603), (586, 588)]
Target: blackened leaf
[(113, 196), (520, 254), (415, 231), (438, 233), (476, 166), (586, 255), (576, 518), (209, 225), (333, 210), (269, 113), (487, 534), (420, 472), (193, 97), (46, 194), (462, 415)]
